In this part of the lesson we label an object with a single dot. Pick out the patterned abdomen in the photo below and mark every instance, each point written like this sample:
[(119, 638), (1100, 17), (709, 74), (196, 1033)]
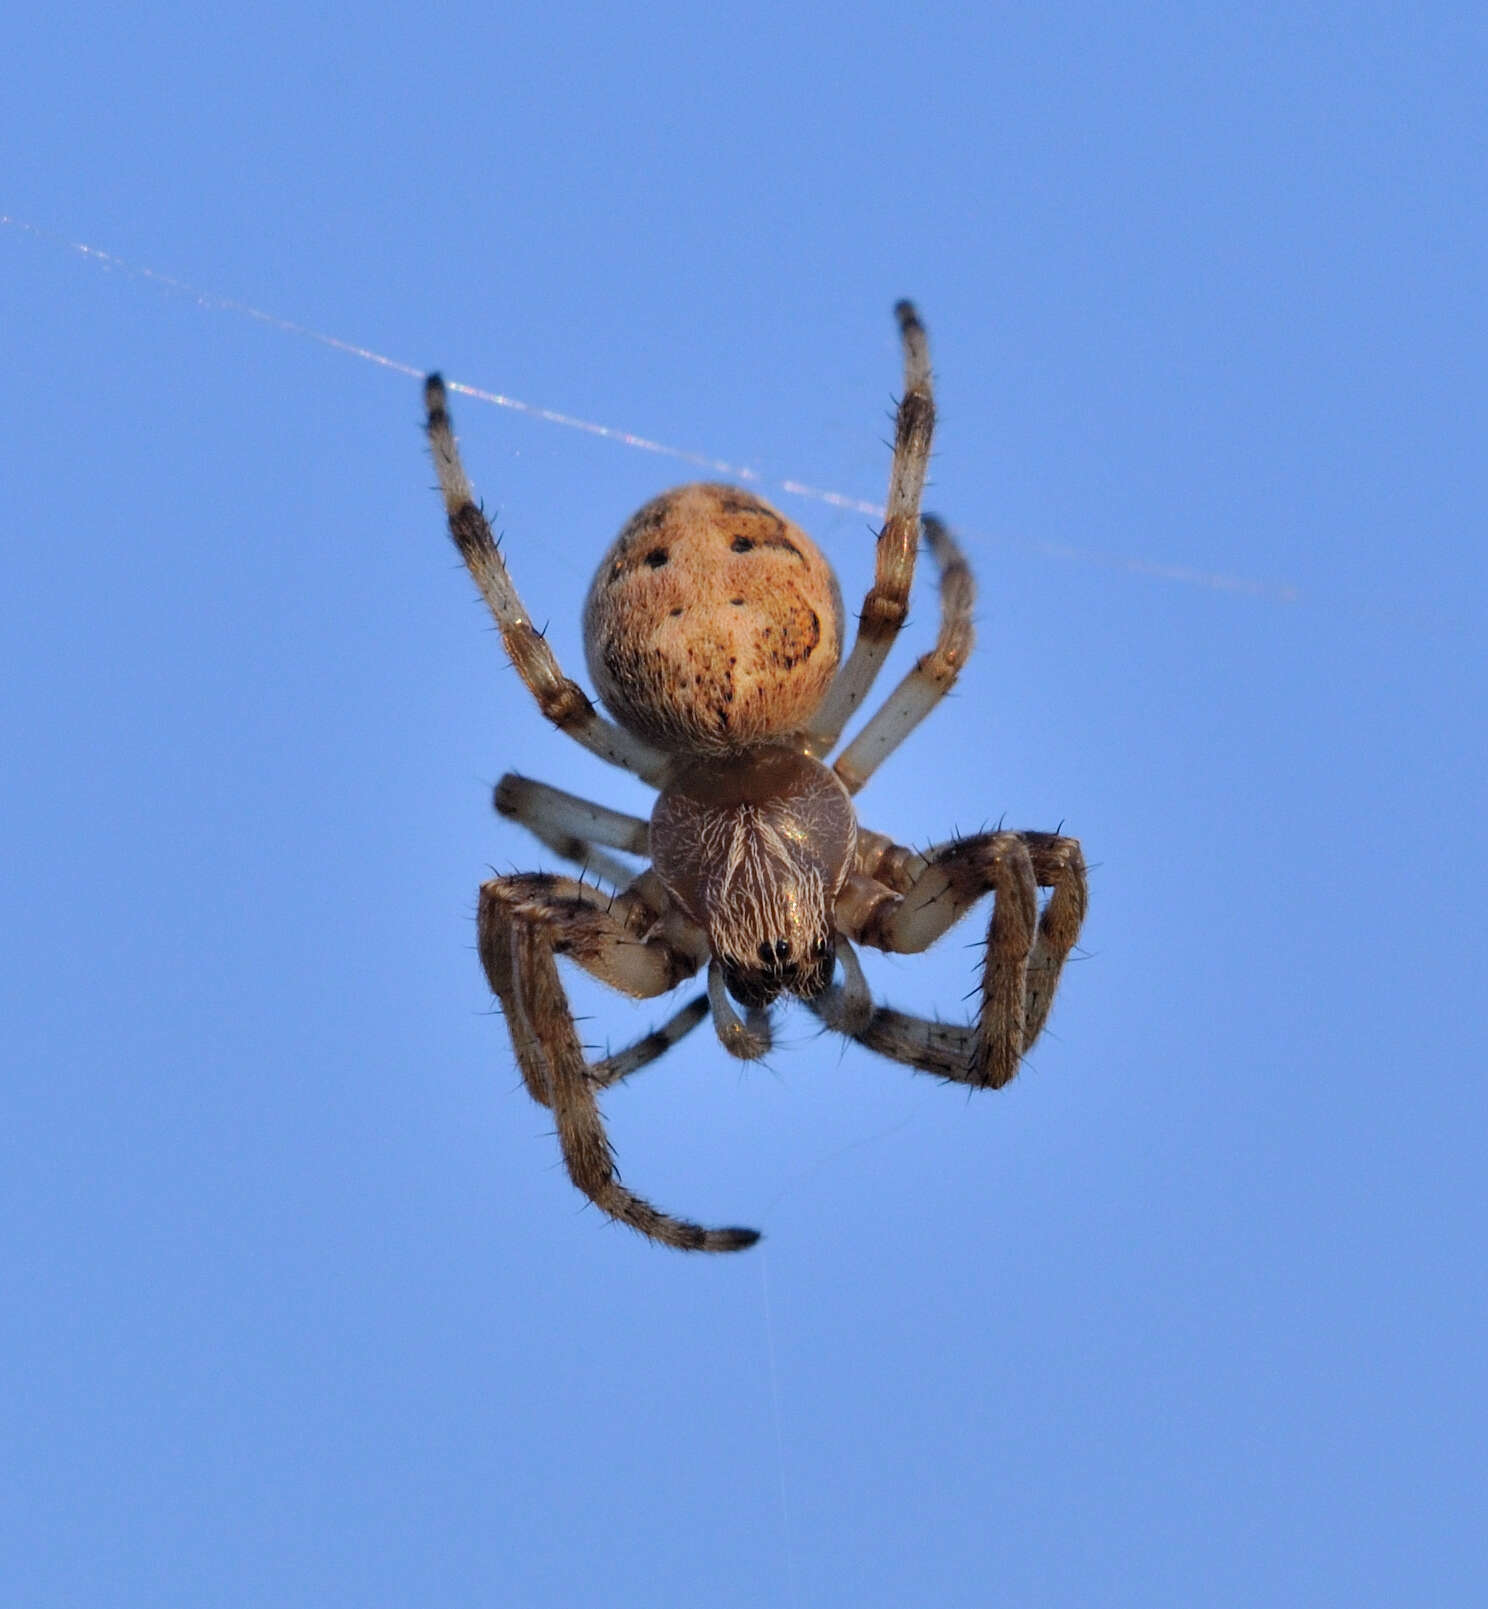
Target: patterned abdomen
[(713, 624)]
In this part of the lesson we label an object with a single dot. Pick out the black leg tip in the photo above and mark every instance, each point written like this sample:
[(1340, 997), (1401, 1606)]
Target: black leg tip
[(730, 1239), (504, 794)]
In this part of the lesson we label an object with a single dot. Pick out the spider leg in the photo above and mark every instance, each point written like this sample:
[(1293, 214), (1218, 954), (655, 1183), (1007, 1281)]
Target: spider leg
[(524, 923), (609, 935), (942, 1048), (562, 701), (887, 601), (596, 864), (1058, 864), (602, 932), (933, 674), (611, 1069), (571, 826), (1026, 949), (536, 803)]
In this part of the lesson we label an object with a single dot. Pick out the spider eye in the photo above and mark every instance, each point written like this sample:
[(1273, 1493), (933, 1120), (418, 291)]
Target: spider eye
[(742, 544), (657, 557)]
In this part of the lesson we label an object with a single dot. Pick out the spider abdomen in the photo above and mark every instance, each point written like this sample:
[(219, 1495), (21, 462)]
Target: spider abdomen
[(713, 624)]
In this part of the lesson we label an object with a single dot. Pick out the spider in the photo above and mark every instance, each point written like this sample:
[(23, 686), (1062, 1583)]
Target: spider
[(714, 629)]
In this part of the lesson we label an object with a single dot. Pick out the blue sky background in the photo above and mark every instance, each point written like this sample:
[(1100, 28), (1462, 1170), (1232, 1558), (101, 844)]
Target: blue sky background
[(298, 1305)]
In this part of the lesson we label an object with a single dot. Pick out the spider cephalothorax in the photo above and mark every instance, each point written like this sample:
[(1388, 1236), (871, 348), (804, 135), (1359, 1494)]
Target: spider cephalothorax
[(756, 852), (714, 630)]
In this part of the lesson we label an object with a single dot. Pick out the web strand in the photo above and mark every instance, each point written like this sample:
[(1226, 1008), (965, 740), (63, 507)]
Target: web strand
[(1240, 586)]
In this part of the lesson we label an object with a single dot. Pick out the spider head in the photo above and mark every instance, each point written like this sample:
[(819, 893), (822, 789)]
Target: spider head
[(755, 851)]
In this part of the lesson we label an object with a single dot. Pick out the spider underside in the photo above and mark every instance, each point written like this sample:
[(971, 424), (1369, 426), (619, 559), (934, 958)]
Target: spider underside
[(714, 631)]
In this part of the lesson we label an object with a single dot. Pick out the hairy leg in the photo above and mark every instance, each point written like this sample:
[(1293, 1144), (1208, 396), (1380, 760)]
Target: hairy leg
[(571, 827), (538, 1003), (1026, 949), (887, 601), (649, 1047), (561, 700), (941, 1048), (933, 674), (609, 935), (523, 926)]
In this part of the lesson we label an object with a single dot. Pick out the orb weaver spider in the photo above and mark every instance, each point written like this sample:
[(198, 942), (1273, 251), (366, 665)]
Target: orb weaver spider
[(714, 631)]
